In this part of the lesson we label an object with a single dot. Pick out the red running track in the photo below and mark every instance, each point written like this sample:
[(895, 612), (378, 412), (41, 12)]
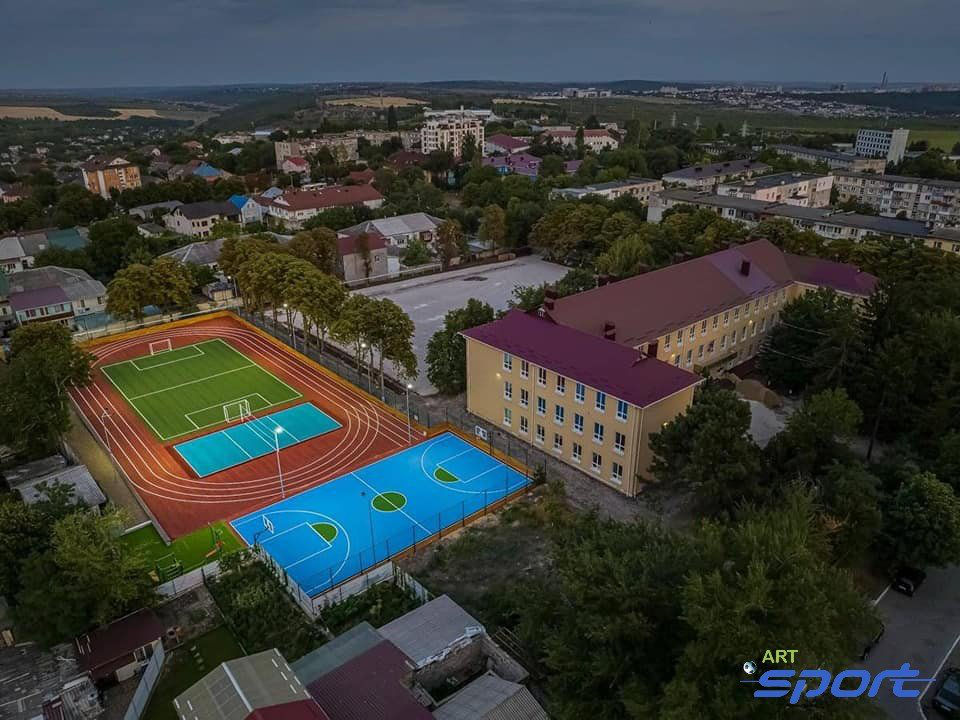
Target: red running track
[(182, 502)]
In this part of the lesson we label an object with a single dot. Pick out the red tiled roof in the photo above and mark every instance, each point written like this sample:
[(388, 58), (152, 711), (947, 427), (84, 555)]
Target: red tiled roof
[(842, 277), (333, 196), (361, 176), (299, 710), (347, 243), (507, 141), (646, 306), (98, 649), (369, 687), (406, 158), (296, 160), (602, 364)]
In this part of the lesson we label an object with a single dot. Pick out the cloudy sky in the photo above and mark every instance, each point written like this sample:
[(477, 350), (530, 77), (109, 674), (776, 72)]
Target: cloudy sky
[(102, 43)]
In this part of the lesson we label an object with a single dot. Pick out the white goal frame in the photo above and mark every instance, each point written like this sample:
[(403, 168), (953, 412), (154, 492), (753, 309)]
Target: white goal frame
[(243, 411), (160, 346)]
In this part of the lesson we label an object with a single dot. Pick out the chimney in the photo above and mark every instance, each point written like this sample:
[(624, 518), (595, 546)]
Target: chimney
[(652, 349), (744, 267), (609, 330)]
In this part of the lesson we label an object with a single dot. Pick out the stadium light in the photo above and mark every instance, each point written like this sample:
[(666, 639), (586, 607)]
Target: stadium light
[(276, 438)]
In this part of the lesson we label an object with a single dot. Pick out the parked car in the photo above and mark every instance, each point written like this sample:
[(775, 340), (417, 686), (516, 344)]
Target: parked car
[(874, 639), (947, 699), (907, 579)]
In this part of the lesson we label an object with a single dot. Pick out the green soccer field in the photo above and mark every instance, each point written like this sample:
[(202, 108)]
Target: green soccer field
[(190, 388)]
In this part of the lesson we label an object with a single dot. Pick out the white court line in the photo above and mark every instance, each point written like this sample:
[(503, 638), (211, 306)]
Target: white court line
[(225, 402), (399, 510), (196, 345), (935, 674), (495, 467), (194, 381), (224, 433), (199, 353), (311, 555), (131, 404), (454, 456), (284, 532)]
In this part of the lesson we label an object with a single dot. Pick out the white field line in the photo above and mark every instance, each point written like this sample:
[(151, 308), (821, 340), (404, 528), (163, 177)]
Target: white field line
[(399, 510), (200, 353), (192, 382)]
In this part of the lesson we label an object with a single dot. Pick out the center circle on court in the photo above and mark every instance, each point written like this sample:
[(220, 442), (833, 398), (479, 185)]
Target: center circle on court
[(390, 501)]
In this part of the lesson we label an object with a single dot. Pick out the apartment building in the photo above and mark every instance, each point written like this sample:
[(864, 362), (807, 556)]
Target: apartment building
[(101, 175), (343, 147), (197, 219), (887, 144), (638, 187), (294, 207), (792, 188), (449, 131), (590, 402), (707, 314), (826, 222), (707, 177), (594, 140), (833, 160), (929, 200)]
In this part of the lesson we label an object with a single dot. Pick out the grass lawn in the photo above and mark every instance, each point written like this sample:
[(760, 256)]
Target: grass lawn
[(186, 665), (191, 551), (943, 139), (183, 390)]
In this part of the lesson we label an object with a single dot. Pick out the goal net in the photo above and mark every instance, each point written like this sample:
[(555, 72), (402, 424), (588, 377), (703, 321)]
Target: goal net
[(236, 411), (160, 346)]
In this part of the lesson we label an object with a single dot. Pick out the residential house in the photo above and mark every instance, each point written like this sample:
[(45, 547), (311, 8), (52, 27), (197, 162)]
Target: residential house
[(256, 687), (361, 256), (193, 146), (197, 168), (13, 257), (197, 219), (926, 199), (450, 130), (116, 652), (637, 187), (490, 697), (403, 159), (792, 188), (946, 239), (250, 210), (400, 230), (594, 140), (151, 210), (519, 164), (505, 145), (34, 479), (49, 293), (101, 175), (361, 177), (707, 177), (833, 160), (18, 252), (294, 207), (152, 230), (295, 165), (10, 193)]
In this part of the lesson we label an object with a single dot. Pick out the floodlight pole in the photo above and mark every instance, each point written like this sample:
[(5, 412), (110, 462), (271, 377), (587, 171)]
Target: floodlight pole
[(409, 428), (276, 440)]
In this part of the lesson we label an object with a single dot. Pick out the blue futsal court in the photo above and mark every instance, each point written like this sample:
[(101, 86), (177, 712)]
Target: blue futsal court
[(254, 438), (325, 535)]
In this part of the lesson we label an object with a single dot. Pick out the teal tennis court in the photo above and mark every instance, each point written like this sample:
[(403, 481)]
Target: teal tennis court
[(255, 437)]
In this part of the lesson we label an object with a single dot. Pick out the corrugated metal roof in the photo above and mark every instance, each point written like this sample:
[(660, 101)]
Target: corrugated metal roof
[(342, 649), (431, 629), (490, 697), (398, 225)]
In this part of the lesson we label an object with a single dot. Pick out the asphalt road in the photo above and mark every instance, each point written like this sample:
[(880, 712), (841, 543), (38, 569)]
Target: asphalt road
[(922, 631)]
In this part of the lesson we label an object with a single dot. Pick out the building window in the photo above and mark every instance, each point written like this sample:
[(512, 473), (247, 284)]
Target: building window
[(756, 306), (541, 377), (507, 416), (524, 369), (711, 347), (577, 452), (524, 424), (733, 338), (666, 342), (679, 338), (689, 357), (541, 433), (597, 464), (524, 397), (693, 332), (700, 352), (726, 318), (507, 390), (541, 406), (561, 384), (736, 314), (763, 324), (616, 473), (621, 410), (743, 335), (601, 403), (753, 330), (723, 342), (580, 393), (676, 360), (597, 432), (558, 414), (578, 423), (507, 362), (557, 442), (716, 321), (766, 301), (703, 328), (619, 442)]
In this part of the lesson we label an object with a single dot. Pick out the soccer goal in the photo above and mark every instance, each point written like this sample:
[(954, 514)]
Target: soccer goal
[(160, 346), (237, 411)]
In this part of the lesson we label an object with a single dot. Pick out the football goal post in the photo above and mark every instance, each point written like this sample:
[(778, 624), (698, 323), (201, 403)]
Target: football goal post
[(160, 346), (237, 411)]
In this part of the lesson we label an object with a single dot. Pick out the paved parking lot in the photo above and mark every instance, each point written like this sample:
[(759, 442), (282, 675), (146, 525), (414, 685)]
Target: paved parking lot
[(426, 300)]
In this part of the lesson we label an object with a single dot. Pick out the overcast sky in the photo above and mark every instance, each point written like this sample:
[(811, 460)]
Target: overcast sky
[(102, 43)]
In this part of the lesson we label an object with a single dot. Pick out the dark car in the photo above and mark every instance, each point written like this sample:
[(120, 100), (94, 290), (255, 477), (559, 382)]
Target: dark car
[(907, 579), (947, 699), (874, 639)]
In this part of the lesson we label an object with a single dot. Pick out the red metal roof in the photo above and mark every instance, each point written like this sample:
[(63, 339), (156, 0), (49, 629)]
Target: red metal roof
[(99, 650), (299, 710), (328, 197), (347, 242), (602, 364)]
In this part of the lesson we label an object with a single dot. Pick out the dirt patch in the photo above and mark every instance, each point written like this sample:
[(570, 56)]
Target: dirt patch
[(194, 613), (375, 101), (25, 112)]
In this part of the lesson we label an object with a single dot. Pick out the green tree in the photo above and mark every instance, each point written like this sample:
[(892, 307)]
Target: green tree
[(353, 325), (109, 244), (493, 226), (627, 256), (391, 118), (416, 253), (171, 283), (450, 242), (947, 465), (391, 336), (922, 523), (64, 257), (317, 246), (130, 291), (447, 350)]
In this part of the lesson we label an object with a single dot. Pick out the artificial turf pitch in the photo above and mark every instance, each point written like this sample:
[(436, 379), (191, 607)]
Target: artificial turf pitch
[(190, 551), (180, 391)]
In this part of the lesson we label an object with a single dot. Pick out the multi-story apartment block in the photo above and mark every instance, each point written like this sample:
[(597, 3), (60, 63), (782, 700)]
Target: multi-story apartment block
[(595, 140), (101, 175), (887, 144), (342, 147), (640, 188), (706, 177), (826, 222), (803, 189), (929, 200), (449, 131), (590, 402), (833, 160)]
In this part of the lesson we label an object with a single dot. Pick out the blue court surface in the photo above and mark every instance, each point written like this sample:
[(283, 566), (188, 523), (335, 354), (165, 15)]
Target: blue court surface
[(254, 438), (325, 535)]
